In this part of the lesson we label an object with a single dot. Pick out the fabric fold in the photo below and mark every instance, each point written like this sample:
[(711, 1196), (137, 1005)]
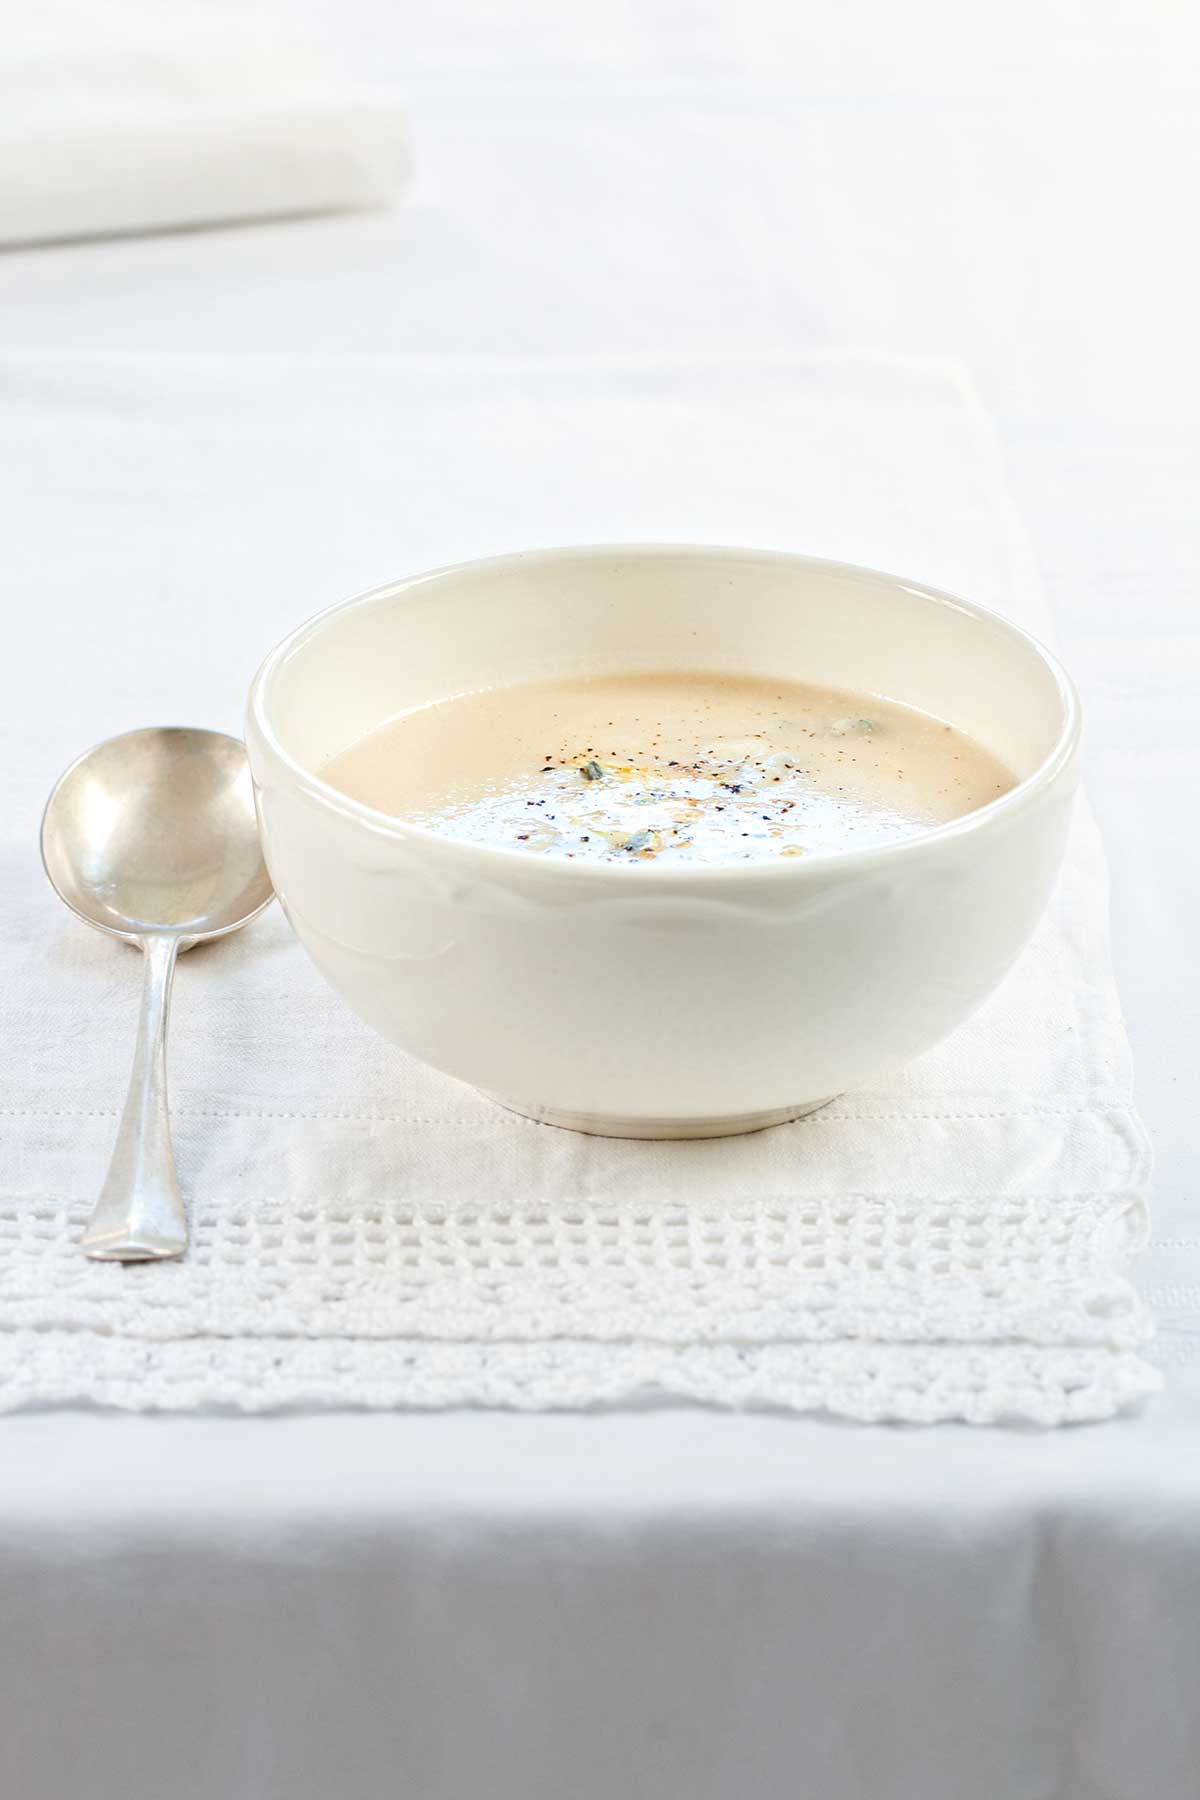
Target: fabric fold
[(137, 118)]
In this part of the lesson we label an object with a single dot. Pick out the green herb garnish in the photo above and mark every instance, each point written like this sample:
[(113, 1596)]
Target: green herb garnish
[(638, 841), (591, 771)]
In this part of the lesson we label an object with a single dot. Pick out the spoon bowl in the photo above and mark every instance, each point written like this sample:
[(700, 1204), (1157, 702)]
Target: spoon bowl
[(152, 838), (154, 831)]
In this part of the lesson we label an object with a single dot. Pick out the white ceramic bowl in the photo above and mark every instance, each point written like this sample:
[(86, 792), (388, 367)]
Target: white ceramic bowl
[(642, 1000)]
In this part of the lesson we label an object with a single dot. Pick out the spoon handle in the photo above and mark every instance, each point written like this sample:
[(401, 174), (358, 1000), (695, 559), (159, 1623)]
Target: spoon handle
[(139, 1215)]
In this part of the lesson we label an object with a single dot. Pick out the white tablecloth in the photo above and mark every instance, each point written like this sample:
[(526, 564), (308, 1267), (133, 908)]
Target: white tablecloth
[(683, 1604)]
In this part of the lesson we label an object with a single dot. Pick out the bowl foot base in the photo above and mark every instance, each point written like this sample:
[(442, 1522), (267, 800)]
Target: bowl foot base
[(604, 1125)]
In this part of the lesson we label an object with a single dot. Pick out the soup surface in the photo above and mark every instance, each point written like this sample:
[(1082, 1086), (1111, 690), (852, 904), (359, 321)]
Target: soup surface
[(670, 768)]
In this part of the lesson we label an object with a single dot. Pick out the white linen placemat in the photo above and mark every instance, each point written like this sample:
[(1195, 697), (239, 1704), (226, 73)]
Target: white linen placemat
[(139, 116), (367, 1232)]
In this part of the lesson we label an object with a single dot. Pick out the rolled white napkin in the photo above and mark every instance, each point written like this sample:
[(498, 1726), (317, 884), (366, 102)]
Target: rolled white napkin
[(135, 117)]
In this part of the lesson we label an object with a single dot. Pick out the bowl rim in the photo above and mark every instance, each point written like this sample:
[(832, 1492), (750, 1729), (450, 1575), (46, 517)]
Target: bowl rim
[(1016, 800)]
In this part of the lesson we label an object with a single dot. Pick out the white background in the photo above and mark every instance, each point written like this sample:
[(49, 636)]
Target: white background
[(685, 1604)]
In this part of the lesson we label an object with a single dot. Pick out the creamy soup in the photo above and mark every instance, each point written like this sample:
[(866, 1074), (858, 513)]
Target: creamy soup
[(670, 768)]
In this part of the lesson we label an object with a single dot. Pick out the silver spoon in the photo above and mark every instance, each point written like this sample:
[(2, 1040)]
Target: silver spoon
[(152, 837)]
